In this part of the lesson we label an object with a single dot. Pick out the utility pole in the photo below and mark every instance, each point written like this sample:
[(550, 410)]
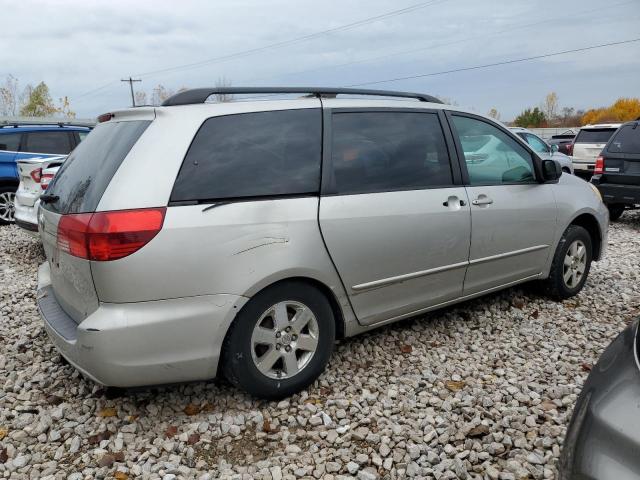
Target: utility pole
[(130, 81)]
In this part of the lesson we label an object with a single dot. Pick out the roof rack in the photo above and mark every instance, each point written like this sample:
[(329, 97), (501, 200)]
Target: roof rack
[(36, 121), (200, 95)]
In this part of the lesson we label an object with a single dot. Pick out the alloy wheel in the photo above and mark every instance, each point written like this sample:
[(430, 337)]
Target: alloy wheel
[(575, 264), (7, 206), (284, 339)]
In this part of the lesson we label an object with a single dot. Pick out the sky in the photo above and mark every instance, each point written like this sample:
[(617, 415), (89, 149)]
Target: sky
[(82, 49)]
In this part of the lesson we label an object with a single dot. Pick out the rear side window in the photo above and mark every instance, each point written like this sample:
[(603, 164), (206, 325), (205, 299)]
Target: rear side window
[(86, 173), (48, 142), (386, 151), (627, 140), (253, 155), (10, 142), (594, 135)]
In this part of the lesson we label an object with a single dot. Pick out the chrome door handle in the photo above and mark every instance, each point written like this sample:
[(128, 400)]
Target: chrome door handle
[(482, 201)]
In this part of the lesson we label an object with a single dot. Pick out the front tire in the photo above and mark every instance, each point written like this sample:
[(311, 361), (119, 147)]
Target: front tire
[(7, 204), (571, 263), (280, 341)]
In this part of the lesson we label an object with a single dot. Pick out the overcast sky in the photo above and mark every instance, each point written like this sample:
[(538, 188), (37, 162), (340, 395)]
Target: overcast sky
[(78, 46)]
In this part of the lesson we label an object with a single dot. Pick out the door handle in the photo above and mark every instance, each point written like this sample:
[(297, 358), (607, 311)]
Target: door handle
[(482, 200), (454, 202)]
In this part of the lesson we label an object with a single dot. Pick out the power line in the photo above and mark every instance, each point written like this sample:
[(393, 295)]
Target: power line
[(292, 41), (438, 45), (488, 65)]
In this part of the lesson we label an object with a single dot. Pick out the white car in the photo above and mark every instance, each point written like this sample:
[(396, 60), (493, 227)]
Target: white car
[(543, 149), (588, 144), (35, 175)]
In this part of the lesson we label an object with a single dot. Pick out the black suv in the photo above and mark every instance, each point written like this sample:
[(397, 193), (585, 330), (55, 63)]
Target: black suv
[(617, 170)]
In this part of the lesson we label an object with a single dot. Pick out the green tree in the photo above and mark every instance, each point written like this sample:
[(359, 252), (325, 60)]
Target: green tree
[(531, 118), (39, 102)]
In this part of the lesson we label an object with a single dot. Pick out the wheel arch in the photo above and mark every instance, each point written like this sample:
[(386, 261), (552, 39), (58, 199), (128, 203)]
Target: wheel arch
[(328, 292), (9, 182), (591, 225)]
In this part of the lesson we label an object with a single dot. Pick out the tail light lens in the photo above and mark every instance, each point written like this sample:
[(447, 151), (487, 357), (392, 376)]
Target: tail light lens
[(599, 168), (570, 149), (45, 180), (36, 174), (105, 236)]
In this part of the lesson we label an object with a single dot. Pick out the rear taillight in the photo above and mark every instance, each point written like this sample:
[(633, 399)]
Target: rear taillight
[(104, 236), (36, 174), (599, 168), (45, 180), (570, 149)]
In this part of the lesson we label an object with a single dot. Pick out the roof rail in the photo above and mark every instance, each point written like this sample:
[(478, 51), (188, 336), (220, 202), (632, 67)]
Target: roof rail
[(200, 95), (35, 121)]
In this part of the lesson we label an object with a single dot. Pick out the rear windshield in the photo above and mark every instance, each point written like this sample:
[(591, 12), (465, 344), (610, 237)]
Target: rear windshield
[(627, 140), (594, 135), (85, 174)]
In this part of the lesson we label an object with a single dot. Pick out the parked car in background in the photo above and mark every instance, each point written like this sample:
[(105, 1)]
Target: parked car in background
[(588, 144), (543, 149), (35, 175), (617, 170), (20, 141), (603, 438), (563, 141), (240, 257)]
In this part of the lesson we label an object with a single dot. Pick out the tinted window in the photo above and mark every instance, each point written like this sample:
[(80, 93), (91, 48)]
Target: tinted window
[(10, 141), (378, 151), (492, 157), (48, 142), (627, 140), (537, 144), (253, 155), (82, 135), (85, 175), (594, 135)]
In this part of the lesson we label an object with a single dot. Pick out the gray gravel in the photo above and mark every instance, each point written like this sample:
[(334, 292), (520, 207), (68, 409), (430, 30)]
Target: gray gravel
[(482, 390)]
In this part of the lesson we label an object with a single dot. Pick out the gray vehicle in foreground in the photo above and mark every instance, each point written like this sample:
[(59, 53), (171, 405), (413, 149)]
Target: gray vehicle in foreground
[(245, 237), (603, 438)]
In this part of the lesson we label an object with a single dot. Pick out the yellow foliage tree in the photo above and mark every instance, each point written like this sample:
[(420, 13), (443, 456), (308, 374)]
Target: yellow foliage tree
[(623, 110)]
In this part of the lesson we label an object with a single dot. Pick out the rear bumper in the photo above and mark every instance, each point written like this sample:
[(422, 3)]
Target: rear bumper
[(603, 438), (144, 343), (615, 193), (26, 217)]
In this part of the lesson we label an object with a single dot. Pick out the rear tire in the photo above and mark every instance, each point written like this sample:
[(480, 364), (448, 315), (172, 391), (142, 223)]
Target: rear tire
[(615, 211), (280, 342), (7, 202), (571, 263)]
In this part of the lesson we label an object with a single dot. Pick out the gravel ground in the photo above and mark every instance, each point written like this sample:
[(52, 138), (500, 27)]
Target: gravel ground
[(482, 390)]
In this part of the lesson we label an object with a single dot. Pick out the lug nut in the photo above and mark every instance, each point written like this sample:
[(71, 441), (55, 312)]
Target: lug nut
[(288, 329), (278, 346), (278, 334), (294, 337), (288, 348)]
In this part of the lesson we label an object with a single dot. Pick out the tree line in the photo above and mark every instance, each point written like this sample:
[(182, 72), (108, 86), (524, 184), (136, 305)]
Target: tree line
[(548, 114), (31, 101)]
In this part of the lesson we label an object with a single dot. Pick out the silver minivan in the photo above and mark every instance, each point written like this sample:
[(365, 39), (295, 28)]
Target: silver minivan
[(244, 238)]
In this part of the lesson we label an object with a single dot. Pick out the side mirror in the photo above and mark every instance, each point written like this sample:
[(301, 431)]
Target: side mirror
[(554, 149), (551, 170)]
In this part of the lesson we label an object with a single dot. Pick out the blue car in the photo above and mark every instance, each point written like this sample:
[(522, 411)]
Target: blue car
[(18, 141)]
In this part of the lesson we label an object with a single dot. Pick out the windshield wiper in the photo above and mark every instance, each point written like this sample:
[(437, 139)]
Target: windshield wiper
[(48, 198)]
